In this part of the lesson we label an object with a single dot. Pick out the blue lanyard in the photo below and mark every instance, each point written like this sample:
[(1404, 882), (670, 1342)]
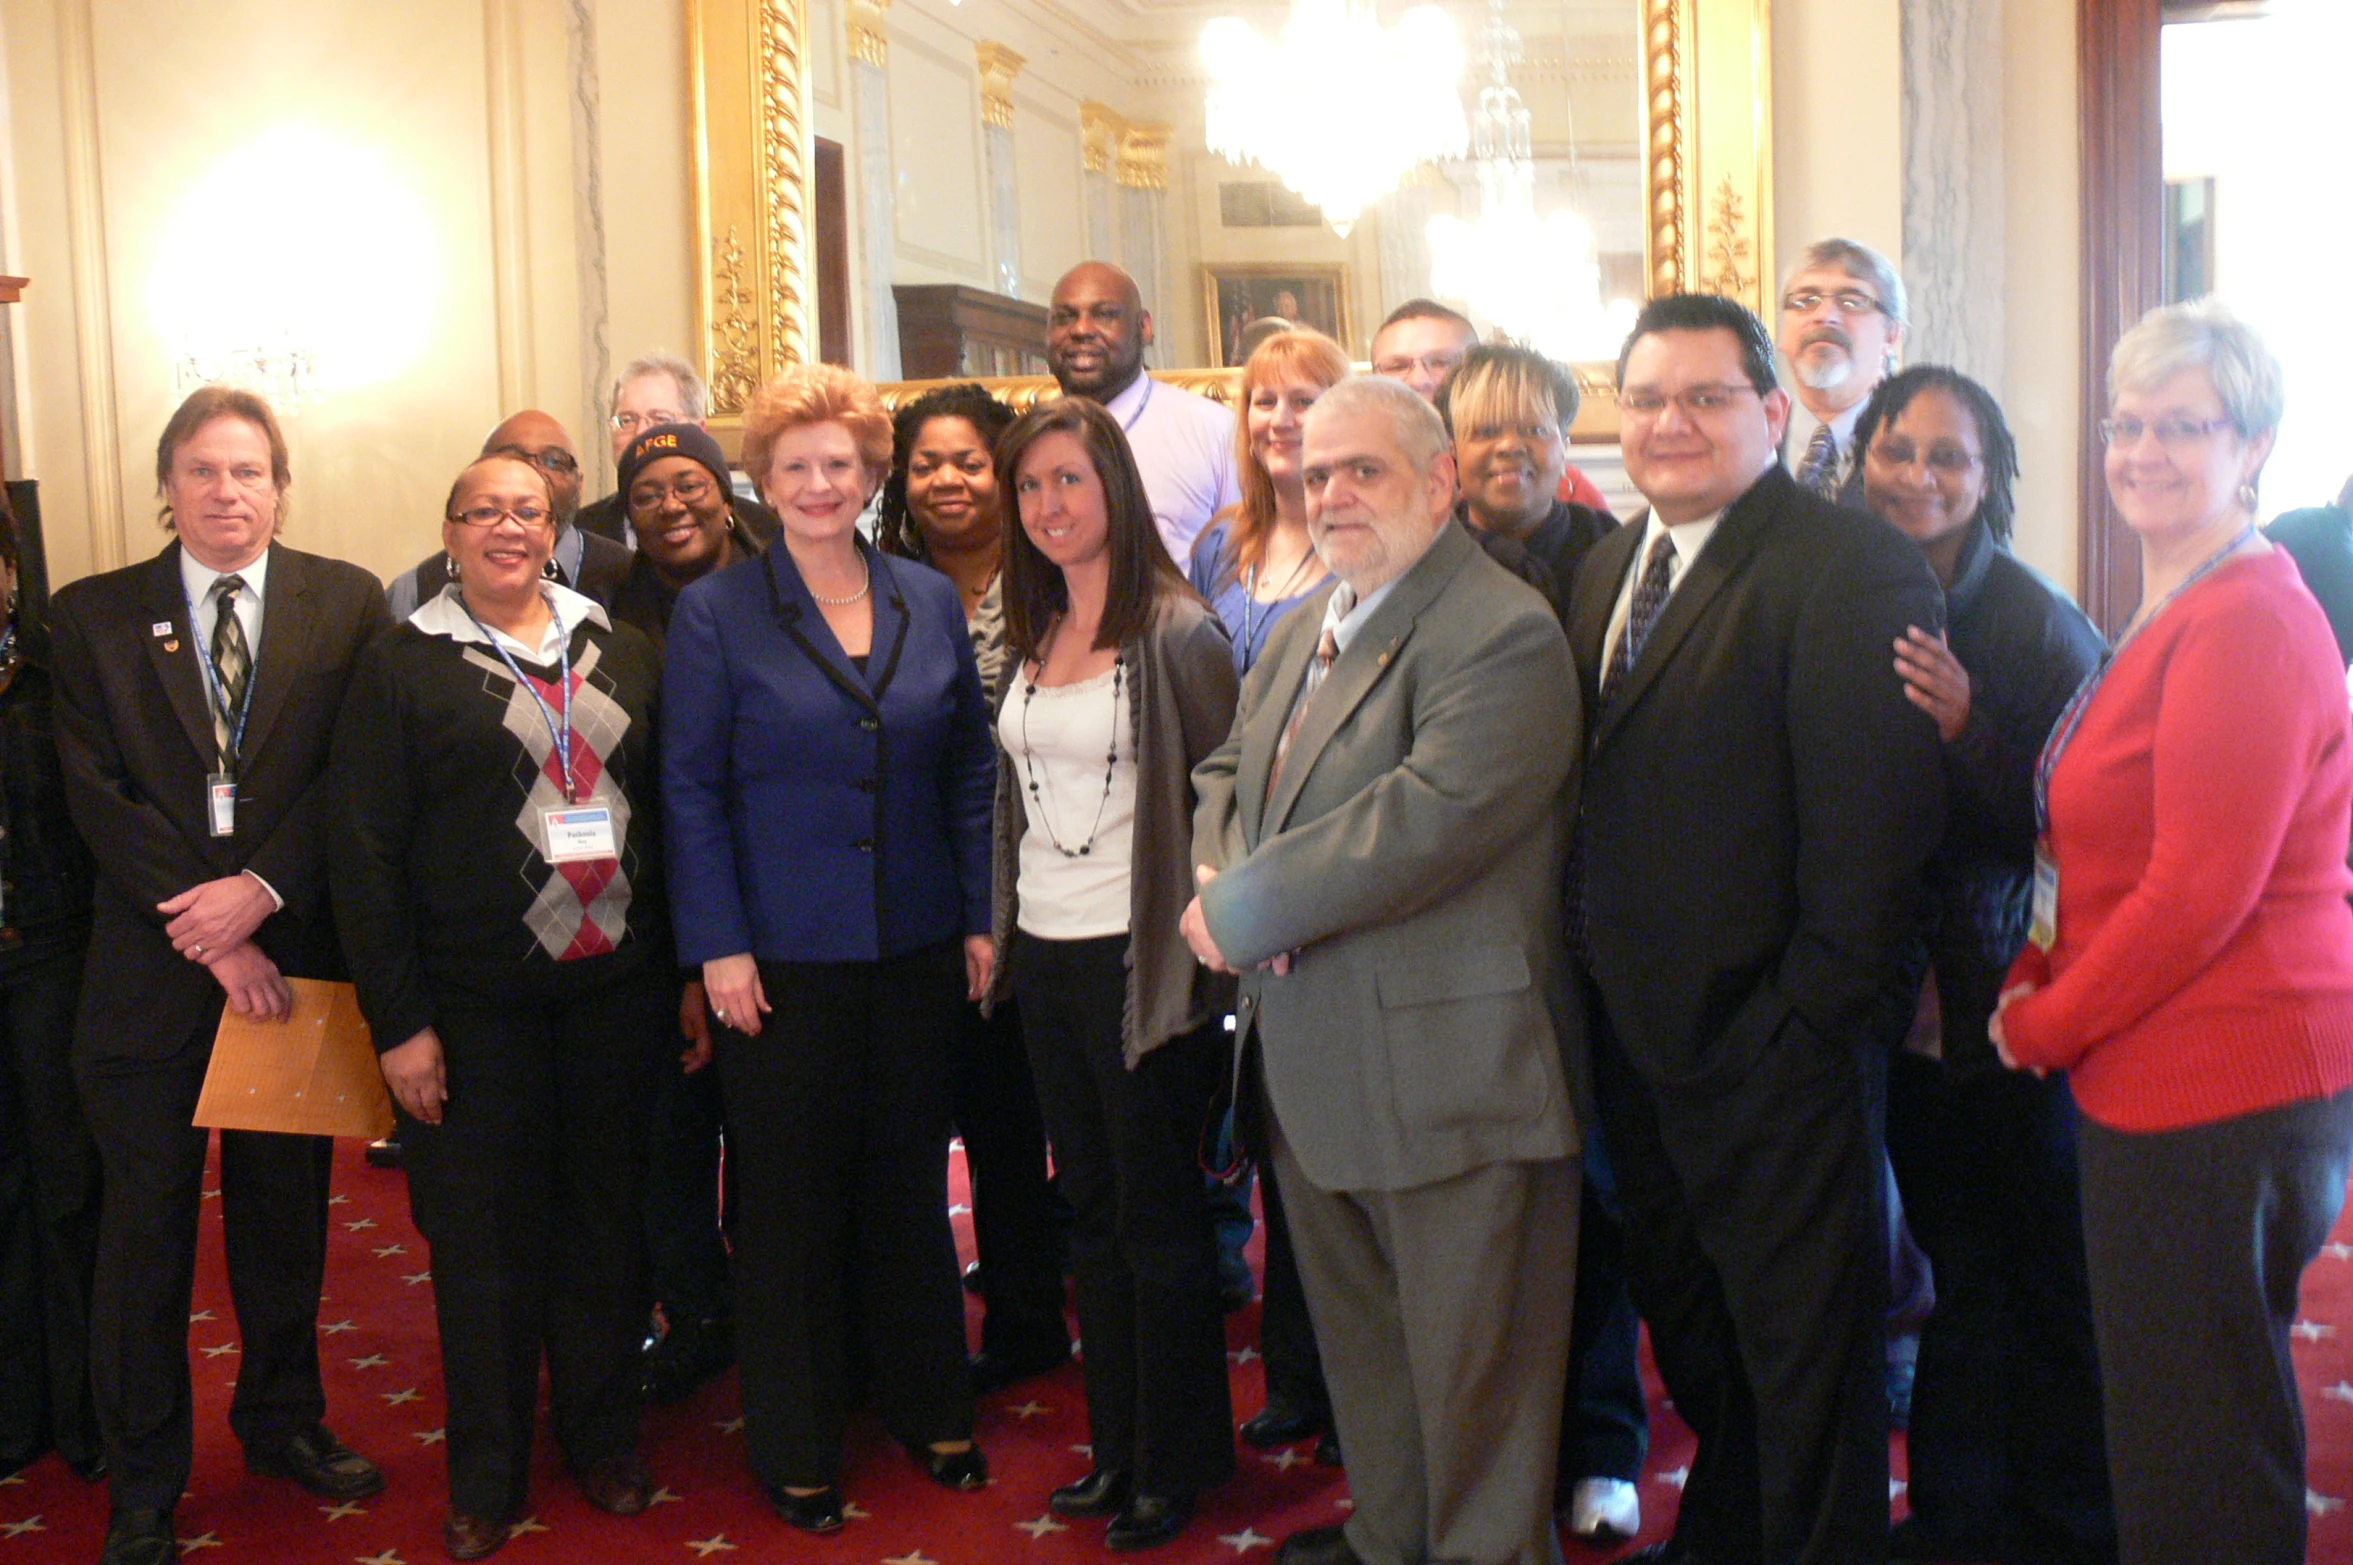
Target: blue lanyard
[(1135, 417), (561, 733), (2064, 731), (213, 682)]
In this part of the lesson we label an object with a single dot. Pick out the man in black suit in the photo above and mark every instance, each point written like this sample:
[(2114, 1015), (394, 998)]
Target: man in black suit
[(1759, 800), (196, 694), (1842, 324), (583, 561)]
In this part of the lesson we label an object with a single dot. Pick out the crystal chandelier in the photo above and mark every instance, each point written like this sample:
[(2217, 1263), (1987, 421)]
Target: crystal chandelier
[(1341, 108), (1537, 278)]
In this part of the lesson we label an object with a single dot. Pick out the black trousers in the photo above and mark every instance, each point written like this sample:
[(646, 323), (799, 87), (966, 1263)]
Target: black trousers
[(2197, 1240), (1128, 1145), (1020, 1223), (274, 1230), (1757, 1250), (837, 1117), (2006, 1453), (685, 1251), (528, 1192), (48, 1218), (1286, 1336), (1605, 1421)]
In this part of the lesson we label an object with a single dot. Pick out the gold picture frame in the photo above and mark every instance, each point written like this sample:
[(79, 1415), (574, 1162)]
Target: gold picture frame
[(1707, 130), (1235, 293)]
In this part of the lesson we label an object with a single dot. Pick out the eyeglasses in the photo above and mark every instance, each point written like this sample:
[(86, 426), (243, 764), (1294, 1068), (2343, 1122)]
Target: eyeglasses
[(487, 515), (1850, 301), (552, 460), (2172, 433), (1398, 368), (1899, 452), (631, 423), (691, 491), (1695, 401)]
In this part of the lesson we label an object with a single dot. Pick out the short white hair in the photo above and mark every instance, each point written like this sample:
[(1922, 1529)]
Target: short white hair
[(692, 393), (1861, 262), (1412, 421), (2203, 335)]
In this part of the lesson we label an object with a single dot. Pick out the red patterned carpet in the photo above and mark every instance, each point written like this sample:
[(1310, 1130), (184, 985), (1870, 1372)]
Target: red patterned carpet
[(384, 1396)]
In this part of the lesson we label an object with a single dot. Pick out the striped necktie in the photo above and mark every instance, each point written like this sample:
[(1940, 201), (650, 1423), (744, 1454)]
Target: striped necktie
[(1650, 596), (232, 662), (1819, 471), (1325, 651)]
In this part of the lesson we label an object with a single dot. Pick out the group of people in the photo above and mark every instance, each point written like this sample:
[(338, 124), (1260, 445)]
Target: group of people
[(1571, 922)]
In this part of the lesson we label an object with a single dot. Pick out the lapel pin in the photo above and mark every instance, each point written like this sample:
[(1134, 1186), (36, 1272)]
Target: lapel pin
[(162, 627), (171, 646)]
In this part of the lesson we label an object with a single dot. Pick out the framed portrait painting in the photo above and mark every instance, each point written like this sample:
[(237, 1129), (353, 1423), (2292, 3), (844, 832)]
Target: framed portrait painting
[(1244, 302)]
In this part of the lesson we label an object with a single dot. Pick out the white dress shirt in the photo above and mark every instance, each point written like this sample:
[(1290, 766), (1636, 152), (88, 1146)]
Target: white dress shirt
[(1184, 446), (445, 614), (196, 579), (1690, 538)]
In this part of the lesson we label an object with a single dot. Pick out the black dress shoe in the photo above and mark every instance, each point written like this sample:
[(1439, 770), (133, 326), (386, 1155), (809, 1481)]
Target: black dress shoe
[(1327, 1450), (819, 1512), (320, 1463), (89, 1469), (1279, 1423), (467, 1537), (994, 1370), (1317, 1546), (965, 1469), (677, 1363), (616, 1485), (386, 1154), (975, 1283), (1149, 1521), (1101, 1493), (139, 1535)]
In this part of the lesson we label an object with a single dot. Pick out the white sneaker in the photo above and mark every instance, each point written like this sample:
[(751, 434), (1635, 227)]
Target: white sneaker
[(1601, 1508)]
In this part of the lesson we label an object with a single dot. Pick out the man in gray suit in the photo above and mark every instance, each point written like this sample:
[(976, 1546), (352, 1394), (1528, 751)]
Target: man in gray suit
[(1379, 842)]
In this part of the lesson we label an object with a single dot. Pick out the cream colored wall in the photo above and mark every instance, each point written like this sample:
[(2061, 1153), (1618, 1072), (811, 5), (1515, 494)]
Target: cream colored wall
[(119, 109)]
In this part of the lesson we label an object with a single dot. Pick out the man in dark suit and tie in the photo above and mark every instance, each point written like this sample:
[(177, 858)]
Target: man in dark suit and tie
[(1381, 839), (196, 694), (1842, 323), (1758, 802)]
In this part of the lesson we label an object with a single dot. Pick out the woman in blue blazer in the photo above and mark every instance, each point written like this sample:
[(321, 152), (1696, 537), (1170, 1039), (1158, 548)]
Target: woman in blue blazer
[(827, 773)]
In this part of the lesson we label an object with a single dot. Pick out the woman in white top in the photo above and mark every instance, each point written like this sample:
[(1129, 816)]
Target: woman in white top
[(1123, 681)]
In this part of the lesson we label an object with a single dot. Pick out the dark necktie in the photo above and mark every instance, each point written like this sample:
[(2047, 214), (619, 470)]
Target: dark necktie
[(1819, 471), (1325, 650), (1650, 595), (232, 662)]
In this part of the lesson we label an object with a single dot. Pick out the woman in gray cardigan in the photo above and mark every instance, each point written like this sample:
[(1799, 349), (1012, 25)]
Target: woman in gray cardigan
[(1124, 681)]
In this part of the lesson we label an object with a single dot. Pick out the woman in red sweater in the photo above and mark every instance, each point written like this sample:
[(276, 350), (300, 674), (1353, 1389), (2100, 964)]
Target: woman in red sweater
[(2191, 966)]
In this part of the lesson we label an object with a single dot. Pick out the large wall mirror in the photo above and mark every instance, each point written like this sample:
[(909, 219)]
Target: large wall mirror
[(897, 183)]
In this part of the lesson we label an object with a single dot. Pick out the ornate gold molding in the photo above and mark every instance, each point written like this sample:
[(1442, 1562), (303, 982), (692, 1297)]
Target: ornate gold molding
[(998, 66), (1143, 156), (868, 40), (1709, 152), (1099, 128)]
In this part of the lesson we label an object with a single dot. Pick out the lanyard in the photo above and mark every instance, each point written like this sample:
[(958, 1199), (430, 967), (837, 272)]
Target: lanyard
[(213, 683), (560, 733), (2064, 731), (1146, 377)]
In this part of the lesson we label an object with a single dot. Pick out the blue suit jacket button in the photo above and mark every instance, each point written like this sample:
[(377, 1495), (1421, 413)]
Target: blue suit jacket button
[(870, 724)]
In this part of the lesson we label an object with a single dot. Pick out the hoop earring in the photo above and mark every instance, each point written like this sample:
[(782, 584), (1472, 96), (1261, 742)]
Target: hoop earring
[(2246, 498)]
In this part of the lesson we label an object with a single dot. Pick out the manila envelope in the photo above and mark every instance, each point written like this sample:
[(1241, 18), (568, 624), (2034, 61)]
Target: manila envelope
[(313, 1074)]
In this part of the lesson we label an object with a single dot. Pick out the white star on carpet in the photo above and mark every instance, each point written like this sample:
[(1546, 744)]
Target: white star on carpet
[(213, 1194), (959, 1209), (1086, 1451), (396, 1398), (339, 1200), (663, 1497), (2312, 1330), (336, 1328), (388, 1557), (15, 1478), (854, 1512), (2342, 1391), (372, 1361), (915, 1557), (1678, 1476), (219, 1348), (206, 1540), (19, 1529), (1896, 1488), (1029, 1409), (706, 1547), (527, 1524), (1286, 1458), (386, 1250), (1244, 1541), (1038, 1526), (413, 1278), (1243, 1355), (728, 1426), (336, 1513), (200, 1315), (431, 1436), (360, 1224), (2321, 1504)]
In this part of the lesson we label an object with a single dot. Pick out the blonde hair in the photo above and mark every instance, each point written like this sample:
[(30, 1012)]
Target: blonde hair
[(1299, 353), (817, 394), (1504, 383), (2203, 335)]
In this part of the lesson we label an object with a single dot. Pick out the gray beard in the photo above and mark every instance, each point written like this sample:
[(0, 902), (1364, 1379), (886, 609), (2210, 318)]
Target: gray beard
[(1827, 375)]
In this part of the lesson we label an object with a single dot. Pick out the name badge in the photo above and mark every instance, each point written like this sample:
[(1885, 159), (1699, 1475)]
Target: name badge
[(578, 832), (2044, 930), (220, 797)]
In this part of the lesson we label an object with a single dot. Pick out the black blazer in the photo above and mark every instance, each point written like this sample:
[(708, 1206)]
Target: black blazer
[(1759, 797), (135, 735)]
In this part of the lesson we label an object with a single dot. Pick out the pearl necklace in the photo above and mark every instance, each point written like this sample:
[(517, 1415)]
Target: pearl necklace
[(864, 587)]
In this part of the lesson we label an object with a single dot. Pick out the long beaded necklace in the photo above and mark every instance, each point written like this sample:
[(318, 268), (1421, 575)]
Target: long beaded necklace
[(1250, 604), (1029, 756)]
